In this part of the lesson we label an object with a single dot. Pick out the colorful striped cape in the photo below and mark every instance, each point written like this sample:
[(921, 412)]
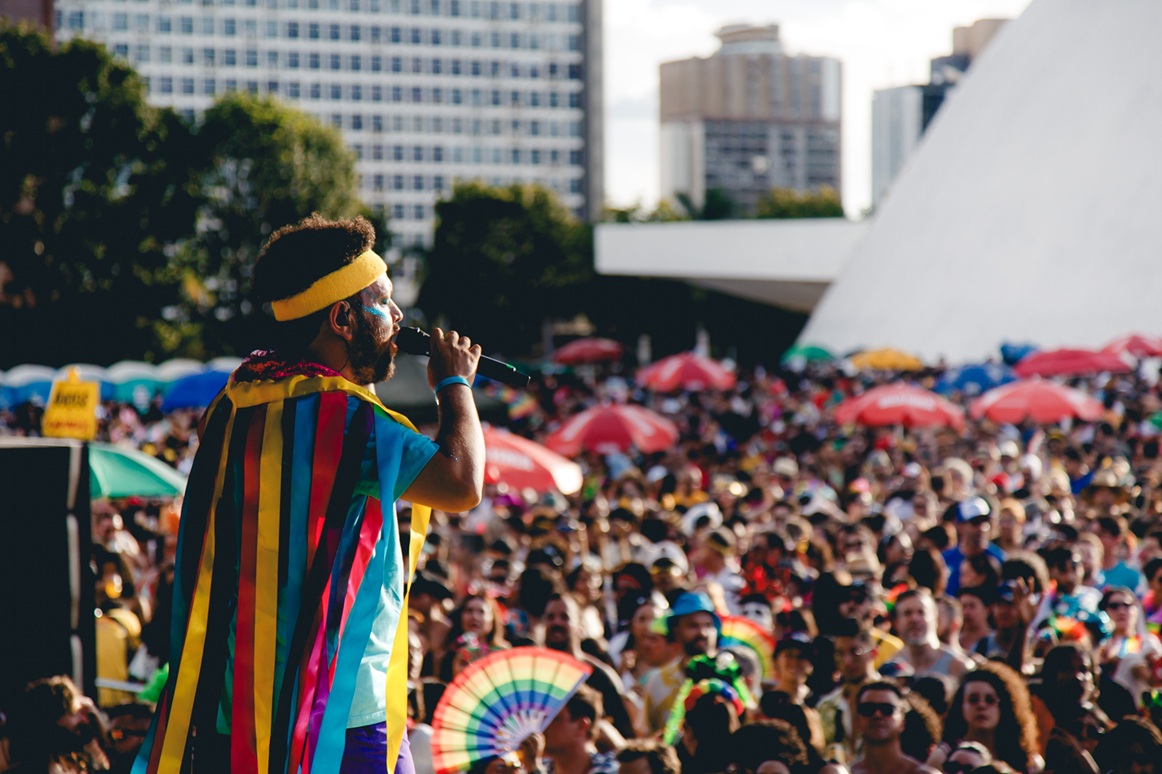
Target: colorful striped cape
[(278, 577)]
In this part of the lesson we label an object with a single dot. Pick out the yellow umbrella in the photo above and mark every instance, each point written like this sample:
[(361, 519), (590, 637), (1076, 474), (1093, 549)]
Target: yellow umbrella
[(886, 360)]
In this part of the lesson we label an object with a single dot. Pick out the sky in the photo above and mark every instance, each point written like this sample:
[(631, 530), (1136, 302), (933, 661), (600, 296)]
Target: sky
[(881, 43)]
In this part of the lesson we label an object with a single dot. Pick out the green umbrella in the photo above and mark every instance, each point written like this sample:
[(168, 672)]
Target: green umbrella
[(115, 471), (807, 353)]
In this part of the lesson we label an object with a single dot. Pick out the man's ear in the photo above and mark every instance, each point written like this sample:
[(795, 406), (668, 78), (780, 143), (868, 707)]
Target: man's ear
[(341, 320)]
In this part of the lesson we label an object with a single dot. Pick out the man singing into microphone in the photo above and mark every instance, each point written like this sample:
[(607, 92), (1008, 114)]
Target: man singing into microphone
[(289, 642)]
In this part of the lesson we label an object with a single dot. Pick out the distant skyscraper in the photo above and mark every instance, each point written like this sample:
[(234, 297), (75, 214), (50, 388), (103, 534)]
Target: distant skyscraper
[(749, 118), (426, 92), (900, 115)]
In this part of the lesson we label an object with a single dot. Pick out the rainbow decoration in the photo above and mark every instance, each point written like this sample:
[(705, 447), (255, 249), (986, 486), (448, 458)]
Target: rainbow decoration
[(893, 594), (498, 701), (738, 631)]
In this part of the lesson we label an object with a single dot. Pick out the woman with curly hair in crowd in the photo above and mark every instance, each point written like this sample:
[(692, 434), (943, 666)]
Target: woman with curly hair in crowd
[(992, 707), (477, 630)]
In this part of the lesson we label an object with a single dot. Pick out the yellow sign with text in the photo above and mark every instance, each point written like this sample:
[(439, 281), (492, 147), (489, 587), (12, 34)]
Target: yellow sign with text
[(72, 409)]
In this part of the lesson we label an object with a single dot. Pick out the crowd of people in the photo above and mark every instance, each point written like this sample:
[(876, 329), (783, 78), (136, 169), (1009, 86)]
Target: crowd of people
[(985, 600)]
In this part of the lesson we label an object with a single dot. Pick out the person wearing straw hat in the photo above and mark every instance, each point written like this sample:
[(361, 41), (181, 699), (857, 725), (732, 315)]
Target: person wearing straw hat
[(288, 650)]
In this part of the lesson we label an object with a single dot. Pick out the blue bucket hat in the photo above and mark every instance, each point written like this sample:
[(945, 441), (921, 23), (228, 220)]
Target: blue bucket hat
[(694, 602)]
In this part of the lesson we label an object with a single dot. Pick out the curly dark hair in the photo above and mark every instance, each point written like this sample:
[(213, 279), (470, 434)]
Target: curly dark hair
[(765, 740), (296, 256), (1016, 734)]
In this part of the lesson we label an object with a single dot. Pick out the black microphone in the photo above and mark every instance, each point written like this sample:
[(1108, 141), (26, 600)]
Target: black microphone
[(413, 341)]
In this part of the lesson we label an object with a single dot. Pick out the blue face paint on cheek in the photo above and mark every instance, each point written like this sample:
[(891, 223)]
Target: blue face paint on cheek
[(376, 312)]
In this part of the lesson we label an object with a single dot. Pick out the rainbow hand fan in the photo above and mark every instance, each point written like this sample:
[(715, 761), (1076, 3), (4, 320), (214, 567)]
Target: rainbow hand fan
[(739, 631), (499, 701)]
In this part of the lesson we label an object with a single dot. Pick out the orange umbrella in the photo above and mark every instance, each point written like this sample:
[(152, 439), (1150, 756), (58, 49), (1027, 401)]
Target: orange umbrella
[(1034, 399), (900, 404), (613, 428), (686, 371), (524, 464)]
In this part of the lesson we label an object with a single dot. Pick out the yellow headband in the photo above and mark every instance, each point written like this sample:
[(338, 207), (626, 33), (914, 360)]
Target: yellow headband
[(339, 284)]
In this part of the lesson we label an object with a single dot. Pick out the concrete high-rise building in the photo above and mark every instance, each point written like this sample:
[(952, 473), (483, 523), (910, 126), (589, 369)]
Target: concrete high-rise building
[(426, 92), (900, 115), (35, 12), (749, 118)]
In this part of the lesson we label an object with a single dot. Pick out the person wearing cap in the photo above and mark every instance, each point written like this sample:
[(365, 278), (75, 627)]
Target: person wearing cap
[(793, 665), (694, 624), (974, 528), (291, 500)]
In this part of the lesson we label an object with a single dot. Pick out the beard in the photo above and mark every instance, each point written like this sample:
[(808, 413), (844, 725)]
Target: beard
[(369, 353)]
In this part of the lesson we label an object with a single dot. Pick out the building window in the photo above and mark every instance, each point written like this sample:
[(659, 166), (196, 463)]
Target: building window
[(396, 94), (574, 100), (397, 212), (397, 182), (208, 87), (356, 33), (376, 63), (417, 95), (356, 63), (377, 126), (356, 93), (376, 93), (336, 92), (230, 57), (437, 67), (252, 57), (457, 97), (396, 64), (437, 96), (415, 36), (336, 62), (292, 89), (418, 183), (419, 210), (164, 25), (316, 91), (165, 85), (187, 85), (435, 37), (357, 123), (229, 27), (438, 154), (455, 67), (395, 35), (313, 30), (186, 25), (313, 60), (292, 60)]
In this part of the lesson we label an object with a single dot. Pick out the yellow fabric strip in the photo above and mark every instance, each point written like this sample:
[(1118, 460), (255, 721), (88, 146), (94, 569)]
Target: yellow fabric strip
[(178, 724), (266, 579), (339, 284), (397, 667)]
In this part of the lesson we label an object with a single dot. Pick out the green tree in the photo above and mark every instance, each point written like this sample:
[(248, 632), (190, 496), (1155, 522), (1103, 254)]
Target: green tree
[(502, 261), (717, 205), (789, 203), (265, 165), (93, 202)]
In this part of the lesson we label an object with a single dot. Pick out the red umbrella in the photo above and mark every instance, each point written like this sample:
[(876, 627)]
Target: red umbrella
[(524, 464), (1034, 399), (613, 428), (900, 404), (1135, 345), (588, 351), (687, 371), (1069, 362)]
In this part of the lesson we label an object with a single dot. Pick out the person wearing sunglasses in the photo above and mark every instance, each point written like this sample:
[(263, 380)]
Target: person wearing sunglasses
[(880, 709), (1132, 649), (992, 708)]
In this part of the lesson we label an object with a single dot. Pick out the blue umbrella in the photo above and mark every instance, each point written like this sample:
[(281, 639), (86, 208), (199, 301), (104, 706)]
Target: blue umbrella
[(975, 379), (195, 390), (1012, 353)]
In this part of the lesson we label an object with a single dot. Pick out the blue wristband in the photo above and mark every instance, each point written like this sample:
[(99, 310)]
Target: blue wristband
[(451, 380)]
